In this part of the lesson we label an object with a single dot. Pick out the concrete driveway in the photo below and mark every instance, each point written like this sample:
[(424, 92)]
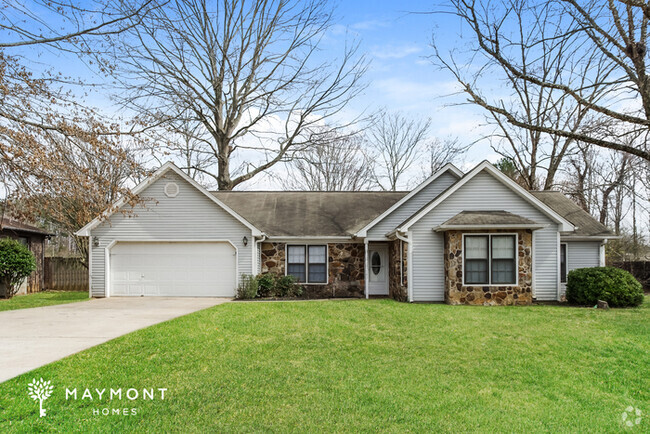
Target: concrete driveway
[(38, 336)]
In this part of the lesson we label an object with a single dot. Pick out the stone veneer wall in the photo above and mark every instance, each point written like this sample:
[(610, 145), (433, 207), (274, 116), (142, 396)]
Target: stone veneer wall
[(345, 266), (397, 281), (457, 293)]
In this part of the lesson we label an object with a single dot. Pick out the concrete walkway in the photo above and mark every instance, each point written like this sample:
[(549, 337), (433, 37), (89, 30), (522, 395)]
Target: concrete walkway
[(35, 337)]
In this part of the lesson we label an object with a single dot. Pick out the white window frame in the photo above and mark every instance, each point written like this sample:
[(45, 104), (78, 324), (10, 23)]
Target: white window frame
[(490, 235), (306, 246)]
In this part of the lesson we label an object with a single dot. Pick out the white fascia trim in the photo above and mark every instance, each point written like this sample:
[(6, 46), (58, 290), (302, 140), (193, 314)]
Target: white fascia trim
[(328, 239), (589, 238), (443, 228), (565, 225), (447, 167), (85, 231)]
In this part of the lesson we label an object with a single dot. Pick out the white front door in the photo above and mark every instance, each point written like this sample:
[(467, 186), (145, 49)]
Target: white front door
[(378, 269), (190, 269)]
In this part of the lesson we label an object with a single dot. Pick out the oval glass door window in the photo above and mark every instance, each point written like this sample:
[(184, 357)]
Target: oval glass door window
[(375, 262)]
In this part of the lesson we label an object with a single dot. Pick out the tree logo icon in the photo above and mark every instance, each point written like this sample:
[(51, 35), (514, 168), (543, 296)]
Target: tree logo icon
[(40, 390)]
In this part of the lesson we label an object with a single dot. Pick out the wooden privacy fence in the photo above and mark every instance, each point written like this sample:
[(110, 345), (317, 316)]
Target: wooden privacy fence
[(65, 274), (639, 269)]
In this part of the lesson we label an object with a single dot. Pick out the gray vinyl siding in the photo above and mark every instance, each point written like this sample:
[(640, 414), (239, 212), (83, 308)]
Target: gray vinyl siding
[(411, 206), (481, 193), (188, 216), (581, 254)]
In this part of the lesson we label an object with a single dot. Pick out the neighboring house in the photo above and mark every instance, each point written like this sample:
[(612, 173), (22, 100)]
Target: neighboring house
[(34, 239), (473, 238)]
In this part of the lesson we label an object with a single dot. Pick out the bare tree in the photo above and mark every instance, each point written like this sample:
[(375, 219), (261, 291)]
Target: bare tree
[(442, 151), (398, 142), (186, 141), (338, 164), (247, 72), (65, 23), (604, 184), (536, 156), (603, 46)]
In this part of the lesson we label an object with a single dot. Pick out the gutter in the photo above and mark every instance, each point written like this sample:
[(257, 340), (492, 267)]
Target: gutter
[(568, 237)]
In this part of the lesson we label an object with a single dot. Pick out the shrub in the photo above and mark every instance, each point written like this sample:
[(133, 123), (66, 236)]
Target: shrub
[(247, 288), (272, 285), (266, 283), (16, 263), (585, 286), (286, 286)]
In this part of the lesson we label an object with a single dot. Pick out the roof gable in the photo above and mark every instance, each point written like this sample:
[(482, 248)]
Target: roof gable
[(448, 168), (486, 166), (85, 231)]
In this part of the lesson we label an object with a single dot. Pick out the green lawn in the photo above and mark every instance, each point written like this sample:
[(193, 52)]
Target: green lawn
[(358, 365), (45, 298)]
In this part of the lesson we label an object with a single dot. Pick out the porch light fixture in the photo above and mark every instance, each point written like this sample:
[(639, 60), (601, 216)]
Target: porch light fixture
[(245, 241), (95, 242)]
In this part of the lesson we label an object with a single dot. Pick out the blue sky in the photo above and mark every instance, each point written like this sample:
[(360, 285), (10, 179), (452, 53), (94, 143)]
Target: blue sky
[(396, 36)]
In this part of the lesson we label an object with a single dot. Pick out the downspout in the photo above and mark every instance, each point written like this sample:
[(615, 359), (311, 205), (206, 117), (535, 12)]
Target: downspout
[(401, 252), (259, 255), (602, 258)]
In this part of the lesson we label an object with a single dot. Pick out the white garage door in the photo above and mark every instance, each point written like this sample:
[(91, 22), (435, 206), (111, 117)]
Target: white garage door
[(173, 269)]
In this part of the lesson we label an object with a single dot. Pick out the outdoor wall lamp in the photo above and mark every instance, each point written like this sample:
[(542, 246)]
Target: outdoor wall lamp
[(95, 242), (245, 241)]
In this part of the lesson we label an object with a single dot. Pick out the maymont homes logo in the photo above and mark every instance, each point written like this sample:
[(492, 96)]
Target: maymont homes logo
[(41, 390)]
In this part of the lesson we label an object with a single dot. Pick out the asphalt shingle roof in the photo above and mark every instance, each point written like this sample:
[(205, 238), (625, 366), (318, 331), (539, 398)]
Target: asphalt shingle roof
[(480, 218), (18, 226), (309, 214), (585, 224), (325, 214)]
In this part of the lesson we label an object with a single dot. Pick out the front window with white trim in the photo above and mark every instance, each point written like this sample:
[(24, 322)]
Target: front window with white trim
[(308, 264), (490, 259)]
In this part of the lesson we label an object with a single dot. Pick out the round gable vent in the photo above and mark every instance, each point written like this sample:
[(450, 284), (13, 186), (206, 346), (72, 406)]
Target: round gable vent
[(171, 189)]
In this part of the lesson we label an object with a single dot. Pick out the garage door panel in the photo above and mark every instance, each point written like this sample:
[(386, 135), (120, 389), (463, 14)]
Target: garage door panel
[(173, 269)]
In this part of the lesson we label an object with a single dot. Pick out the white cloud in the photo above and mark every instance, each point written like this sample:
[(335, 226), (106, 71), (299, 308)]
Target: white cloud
[(370, 25), (394, 52)]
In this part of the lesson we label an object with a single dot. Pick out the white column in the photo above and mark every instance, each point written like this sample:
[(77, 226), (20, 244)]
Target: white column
[(365, 268)]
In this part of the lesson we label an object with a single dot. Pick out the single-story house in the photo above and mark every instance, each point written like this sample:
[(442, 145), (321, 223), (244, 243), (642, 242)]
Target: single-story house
[(463, 238), (34, 239)]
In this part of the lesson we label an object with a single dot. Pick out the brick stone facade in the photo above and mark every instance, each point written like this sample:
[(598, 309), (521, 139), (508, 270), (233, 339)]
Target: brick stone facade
[(345, 266), (457, 293), (397, 279)]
